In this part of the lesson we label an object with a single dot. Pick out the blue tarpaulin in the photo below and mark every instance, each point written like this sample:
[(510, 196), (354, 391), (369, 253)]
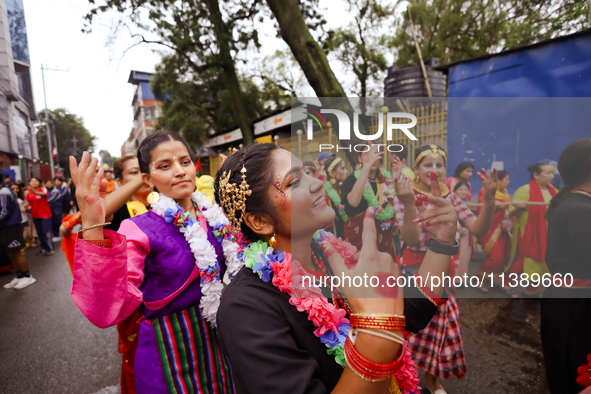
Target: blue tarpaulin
[(521, 106)]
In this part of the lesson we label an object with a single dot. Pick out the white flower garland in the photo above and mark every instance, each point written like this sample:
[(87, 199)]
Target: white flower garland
[(203, 250)]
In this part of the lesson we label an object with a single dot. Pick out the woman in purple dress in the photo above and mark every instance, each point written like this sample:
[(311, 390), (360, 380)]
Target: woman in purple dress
[(167, 263)]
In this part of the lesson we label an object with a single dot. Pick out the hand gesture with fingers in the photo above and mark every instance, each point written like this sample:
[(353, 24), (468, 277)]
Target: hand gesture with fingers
[(371, 262), (90, 190), (489, 183), (404, 190), (440, 220), (397, 166), (372, 156)]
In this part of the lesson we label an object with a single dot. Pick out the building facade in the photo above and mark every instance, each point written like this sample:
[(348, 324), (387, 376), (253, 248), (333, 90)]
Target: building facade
[(145, 112), (18, 146)]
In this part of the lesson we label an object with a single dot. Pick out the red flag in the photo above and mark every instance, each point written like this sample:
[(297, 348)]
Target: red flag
[(198, 165), (54, 152)]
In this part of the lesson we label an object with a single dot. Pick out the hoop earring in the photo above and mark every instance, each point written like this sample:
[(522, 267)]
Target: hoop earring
[(273, 240), (153, 197)]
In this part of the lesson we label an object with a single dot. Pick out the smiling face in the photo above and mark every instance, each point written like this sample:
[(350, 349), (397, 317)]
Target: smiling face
[(462, 192), (172, 171), (294, 192), (427, 165), (466, 174), (34, 183)]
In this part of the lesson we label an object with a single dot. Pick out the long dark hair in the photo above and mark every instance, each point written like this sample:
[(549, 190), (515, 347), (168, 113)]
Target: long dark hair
[(574, 166), (258, 161), (461, 167), (144, 152)]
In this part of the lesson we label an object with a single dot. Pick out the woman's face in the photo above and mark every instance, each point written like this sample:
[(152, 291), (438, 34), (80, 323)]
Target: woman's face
[(430, 164), (295, 192), (15, 188), (48, 184), (502, 184), (171, 170), (340, 172), (545, 177), (131, 171), (34, 183), (462, 192), (466, 174)]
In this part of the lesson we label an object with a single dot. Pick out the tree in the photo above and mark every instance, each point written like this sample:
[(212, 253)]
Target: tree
[(455, 30), (200, 33), (64, 127), (106, 158), (361, 45), (195, 104)]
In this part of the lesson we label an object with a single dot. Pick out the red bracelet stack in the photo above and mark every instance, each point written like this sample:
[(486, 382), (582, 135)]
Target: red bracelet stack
[(377, 321), (429, 294), (368, 370)]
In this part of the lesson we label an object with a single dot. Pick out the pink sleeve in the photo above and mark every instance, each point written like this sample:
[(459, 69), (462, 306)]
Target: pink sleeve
[(106, 281)]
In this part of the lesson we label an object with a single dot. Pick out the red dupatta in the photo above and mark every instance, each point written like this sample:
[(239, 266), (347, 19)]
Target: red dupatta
[(533, 242)]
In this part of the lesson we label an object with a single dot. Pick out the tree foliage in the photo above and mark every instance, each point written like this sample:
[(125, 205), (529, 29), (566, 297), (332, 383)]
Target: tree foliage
[(106, 158), (361, 45), (65, 126), (454, 30)]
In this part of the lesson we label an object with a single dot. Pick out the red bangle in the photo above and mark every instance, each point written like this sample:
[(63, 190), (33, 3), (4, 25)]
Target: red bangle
[(430, 295), (368, 370), (106, 243)]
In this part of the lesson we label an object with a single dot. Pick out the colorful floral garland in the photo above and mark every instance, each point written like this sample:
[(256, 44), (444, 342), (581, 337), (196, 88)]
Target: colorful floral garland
[(385, 213), (202, 249), (336, 199), (332, 325)]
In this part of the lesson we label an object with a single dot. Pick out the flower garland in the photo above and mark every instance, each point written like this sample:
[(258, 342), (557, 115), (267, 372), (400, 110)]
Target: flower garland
[(202, 249), (336, 199), (385, 213), (332, 325)]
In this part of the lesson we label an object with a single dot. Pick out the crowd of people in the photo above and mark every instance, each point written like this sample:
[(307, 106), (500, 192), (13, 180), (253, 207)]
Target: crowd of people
[(154, 256)]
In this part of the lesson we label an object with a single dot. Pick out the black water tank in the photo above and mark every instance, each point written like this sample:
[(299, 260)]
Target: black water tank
[(409, 81)]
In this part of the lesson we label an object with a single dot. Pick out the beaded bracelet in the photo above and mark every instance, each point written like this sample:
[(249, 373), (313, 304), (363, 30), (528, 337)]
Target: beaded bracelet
[(378, 321), (106, 243)]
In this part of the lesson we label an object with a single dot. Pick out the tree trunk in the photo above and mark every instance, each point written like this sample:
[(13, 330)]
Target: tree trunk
[(223, 36), (306, 50)]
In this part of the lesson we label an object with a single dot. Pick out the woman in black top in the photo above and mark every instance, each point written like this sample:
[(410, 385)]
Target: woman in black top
[(566, 312), (271, 346)]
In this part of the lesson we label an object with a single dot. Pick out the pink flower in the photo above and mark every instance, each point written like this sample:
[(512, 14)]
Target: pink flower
[(282, 274), (344, 248), (408, 376)]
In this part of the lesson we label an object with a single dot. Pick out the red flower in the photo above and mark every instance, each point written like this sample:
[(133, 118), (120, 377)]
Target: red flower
[(584, 371)]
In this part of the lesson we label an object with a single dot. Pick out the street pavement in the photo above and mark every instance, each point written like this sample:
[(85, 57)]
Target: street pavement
[(48, 346)]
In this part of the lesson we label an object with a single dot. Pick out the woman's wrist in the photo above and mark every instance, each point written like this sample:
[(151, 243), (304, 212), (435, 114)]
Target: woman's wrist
[(93, 234)]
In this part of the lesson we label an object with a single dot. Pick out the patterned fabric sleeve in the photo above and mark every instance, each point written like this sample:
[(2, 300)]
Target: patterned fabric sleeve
[(464, 213)]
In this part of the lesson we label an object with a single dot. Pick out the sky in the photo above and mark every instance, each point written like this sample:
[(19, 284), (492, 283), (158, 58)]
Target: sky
[(95, 87)]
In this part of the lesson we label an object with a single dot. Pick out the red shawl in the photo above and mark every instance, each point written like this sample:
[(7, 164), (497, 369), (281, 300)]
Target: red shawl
[(533, 242)]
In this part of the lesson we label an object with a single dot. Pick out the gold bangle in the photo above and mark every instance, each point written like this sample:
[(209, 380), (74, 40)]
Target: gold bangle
[(379, 315), (95, 226)]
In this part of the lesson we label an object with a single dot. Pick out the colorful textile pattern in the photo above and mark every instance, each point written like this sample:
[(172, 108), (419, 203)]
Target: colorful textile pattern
[(438, 348), (189, 354)]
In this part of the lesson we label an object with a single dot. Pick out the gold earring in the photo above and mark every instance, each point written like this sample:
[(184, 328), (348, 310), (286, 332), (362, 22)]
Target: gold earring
[(153, 197), (273, 241), (333, 181)]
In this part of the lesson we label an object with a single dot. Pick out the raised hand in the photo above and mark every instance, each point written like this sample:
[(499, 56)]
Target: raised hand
[(90, 190), (489, 183), (440, 220), (372, 156), (397, 166), (371, 262), (404, 190)]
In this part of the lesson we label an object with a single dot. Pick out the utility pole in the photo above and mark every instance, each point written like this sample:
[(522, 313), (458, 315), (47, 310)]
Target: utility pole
[(49, 145), (74, 141)]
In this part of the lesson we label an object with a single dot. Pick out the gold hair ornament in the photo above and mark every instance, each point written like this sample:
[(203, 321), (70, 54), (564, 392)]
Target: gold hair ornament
[(333, 164), (434, 151), (233, 197)]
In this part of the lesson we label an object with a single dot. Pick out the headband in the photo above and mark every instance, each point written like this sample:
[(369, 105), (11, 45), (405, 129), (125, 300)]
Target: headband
[(333, 164), (434, 151)]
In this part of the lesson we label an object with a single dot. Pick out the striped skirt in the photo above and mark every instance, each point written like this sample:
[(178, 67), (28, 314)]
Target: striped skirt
[(438, 348), (190, 356)]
